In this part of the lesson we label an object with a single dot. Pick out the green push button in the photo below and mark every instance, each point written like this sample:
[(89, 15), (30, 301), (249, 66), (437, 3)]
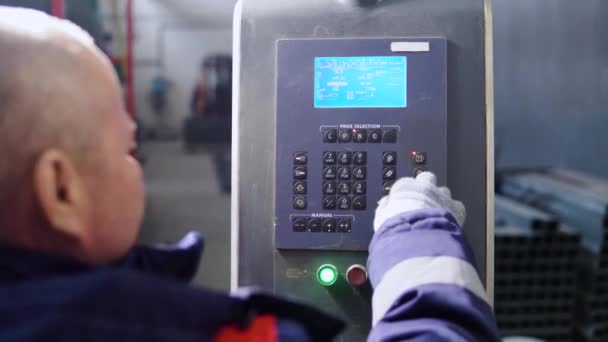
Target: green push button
[(327, 274)]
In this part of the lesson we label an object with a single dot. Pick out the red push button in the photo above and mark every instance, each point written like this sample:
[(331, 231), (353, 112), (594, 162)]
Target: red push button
[(356, 275)]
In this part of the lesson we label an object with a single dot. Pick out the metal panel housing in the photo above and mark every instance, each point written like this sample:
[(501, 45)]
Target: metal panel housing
[(259, 24)]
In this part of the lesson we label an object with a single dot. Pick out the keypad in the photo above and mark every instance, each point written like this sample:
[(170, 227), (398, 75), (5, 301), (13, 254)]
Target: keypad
[(343, 176), (349, 190)]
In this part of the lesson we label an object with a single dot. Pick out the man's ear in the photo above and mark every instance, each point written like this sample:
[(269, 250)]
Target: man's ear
[(61, 193)]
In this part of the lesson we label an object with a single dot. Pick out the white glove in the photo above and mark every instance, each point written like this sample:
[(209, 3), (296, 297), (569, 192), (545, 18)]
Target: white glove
[(409, 194)]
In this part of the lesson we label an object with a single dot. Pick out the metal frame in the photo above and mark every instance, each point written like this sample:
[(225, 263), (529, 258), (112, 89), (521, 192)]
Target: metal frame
[(237, 211), (489, 69)]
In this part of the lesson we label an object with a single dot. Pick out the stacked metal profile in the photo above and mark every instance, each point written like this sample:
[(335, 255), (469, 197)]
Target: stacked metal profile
[(581, 202), (535, 273)]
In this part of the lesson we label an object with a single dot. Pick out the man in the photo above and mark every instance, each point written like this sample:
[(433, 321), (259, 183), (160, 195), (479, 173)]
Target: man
[(72, 202)]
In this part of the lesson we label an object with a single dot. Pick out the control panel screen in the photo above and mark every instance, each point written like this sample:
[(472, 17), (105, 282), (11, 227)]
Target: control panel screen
[(361, 82)]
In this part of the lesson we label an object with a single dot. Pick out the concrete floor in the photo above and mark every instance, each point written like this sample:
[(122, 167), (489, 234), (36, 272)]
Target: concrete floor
[(183, 194)]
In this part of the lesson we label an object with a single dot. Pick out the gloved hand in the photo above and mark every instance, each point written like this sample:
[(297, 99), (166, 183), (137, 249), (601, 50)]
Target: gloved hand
[(409, 194)]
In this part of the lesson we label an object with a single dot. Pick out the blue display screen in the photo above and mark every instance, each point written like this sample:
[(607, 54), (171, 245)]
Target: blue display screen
[(360, 82)]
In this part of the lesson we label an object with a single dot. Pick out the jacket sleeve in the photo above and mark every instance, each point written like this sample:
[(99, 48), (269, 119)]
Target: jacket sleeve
[(426, 286)]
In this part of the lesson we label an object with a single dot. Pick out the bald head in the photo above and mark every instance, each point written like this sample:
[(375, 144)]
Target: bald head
[(68, 183), (45, 67)]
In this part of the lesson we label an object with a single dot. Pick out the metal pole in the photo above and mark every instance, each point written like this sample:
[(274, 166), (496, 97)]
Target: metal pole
[(58, 8), (129, 71)]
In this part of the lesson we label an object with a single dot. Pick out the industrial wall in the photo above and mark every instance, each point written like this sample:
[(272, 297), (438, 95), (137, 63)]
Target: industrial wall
[(551, 84), (170, 41)]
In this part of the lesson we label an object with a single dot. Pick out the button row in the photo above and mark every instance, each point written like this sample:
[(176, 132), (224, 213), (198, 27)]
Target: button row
[(344, 188), (344, 158), (328, 225), (300, 173), (344, 202), (332, 135), (345, 173), (389, 171)]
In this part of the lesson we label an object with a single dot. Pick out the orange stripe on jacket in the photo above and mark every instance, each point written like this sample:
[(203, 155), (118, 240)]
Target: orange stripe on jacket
[(262, 329)]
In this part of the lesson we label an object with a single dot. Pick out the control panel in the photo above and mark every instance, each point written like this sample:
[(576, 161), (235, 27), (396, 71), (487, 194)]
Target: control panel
[(353, 116)]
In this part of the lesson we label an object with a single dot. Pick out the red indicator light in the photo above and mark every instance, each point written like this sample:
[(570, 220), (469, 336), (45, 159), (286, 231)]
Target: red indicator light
[(356, 275)]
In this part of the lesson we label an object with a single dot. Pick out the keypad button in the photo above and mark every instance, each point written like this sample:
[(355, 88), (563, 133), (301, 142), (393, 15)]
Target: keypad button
[(344, 173), (329, 173), (359, 135), (344, 188), (344, 226), (329, 202), (360, 158), (360, 173), (299, 224), (329, 188), (344, 158), (389, 173), (329, 158), (314, 225), (344, 203), (345, 135), (389, 158), (330, 135), (375, 136), (418, 171), (359, 203), (386, 187), (300, 158), (299, 187), (299, 172), (299, 202), (329, 225), (419, 158), (389, 135), (359, 188)]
